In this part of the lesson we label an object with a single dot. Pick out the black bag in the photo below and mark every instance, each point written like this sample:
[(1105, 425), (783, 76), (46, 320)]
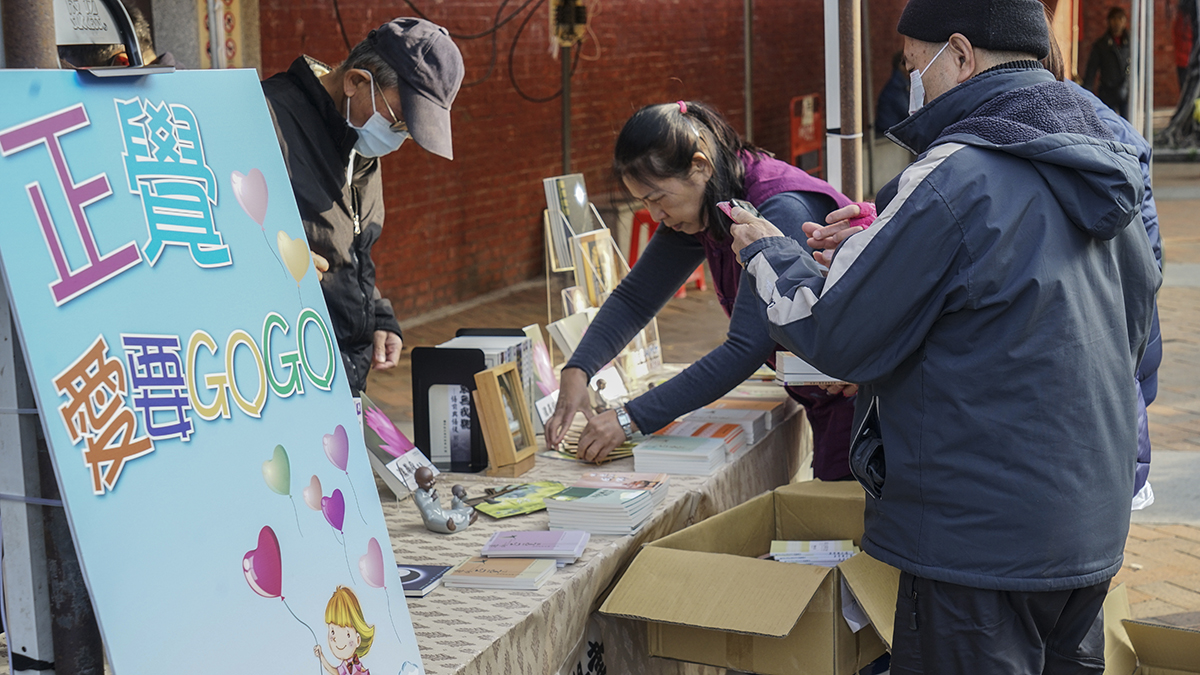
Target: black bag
[(866, 453)]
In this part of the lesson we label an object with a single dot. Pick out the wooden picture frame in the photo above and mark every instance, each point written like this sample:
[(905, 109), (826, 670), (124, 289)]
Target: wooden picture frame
[(504, 418)]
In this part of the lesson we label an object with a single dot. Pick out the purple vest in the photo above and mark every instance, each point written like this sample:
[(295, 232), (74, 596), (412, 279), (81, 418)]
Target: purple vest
[(765, 178)]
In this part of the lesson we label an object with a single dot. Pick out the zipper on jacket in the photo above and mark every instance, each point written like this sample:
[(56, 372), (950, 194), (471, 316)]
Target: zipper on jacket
[(912, 619), (354, 206)]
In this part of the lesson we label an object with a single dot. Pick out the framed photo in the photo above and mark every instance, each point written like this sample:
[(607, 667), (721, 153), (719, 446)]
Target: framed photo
[(599, 265), (505, 421), (567, 214)]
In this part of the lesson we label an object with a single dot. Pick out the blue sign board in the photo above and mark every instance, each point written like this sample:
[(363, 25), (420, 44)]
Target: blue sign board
[(203, 433)]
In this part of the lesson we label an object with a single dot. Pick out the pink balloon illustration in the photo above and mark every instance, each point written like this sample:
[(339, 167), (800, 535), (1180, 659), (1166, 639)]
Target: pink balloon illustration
[(334, 508), (263, 567), (312, 494), (250, 189), (370, 565), (337, 447)]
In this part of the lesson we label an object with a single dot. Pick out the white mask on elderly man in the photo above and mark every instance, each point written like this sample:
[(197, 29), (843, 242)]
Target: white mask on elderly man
[(375, 138), (916, 90)]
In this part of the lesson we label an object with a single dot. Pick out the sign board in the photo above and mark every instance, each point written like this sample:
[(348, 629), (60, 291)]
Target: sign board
[(85, 22), (202, 431)]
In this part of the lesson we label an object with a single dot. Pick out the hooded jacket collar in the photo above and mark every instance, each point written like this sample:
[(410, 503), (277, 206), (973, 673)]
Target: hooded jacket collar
[(302, 72), (923, 127)]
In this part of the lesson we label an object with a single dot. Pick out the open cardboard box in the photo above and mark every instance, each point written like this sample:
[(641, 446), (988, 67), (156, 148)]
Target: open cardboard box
[(708, 599), (1141, 648)]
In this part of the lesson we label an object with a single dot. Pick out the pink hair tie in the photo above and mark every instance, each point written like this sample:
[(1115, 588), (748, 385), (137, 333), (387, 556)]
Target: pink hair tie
[(682, 107)]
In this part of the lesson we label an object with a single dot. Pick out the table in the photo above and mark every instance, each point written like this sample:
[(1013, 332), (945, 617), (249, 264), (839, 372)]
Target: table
[(472, 631)]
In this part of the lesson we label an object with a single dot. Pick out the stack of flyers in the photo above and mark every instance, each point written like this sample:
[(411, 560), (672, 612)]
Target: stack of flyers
[(826, 553)]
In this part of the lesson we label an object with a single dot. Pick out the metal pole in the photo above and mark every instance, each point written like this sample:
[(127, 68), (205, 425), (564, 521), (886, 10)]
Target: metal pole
[(565, 55), (1133, 105), (833, 98), (748, 76), (850, 24), (1149, 31), (29, 40), (869, 131), (26, 582), (216, 33)]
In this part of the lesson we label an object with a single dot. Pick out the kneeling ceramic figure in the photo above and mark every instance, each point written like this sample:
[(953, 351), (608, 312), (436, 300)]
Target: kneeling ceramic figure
[(447, 521)]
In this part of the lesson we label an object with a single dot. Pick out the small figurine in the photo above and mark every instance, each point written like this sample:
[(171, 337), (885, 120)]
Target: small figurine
[(447, 521)]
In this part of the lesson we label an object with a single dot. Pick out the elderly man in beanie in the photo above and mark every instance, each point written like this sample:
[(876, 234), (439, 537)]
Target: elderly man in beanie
[(994, 315), (333, 126)]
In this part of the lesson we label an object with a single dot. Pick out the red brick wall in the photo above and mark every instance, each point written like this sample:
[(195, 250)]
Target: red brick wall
[(1094, 23), (459, 229)]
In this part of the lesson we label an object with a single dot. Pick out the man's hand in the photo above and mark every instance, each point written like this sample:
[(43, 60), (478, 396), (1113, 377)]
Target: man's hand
[(387, 349), (602, 434), (572, 397), (321, 265), (842, 223), (747, 229), (842, 388)]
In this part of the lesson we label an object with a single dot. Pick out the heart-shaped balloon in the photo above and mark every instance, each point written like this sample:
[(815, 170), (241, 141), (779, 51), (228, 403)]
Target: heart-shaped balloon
[(278, 471), (370, 565), (263, 567), (337, 447), (334, 508), (251, 192), (312, 494), (295, 254)]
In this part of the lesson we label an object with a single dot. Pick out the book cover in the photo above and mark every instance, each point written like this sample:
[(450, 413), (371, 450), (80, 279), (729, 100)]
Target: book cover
[(622, 480), (538, 543), (527, 498), (419, 580), (514, 573), (598, 497)]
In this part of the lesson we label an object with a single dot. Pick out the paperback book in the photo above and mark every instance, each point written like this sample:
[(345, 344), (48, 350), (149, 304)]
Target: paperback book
[(525, 498), (514, 574), (655, 483), (684, 455), (793, 370), (599, 510), (565, 546), (775, 409), (826, 553), (419, 580)]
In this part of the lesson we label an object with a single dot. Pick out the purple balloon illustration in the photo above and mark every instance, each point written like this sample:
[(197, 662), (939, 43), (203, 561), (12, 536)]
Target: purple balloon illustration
[(251, 192), (334, 508)]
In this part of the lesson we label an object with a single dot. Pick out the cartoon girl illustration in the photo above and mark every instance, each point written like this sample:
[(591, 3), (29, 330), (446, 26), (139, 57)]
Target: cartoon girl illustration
[(349, 634)]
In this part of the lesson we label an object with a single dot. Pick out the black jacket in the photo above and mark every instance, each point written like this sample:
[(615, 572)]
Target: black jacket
[(342, 221), (1111, 60)]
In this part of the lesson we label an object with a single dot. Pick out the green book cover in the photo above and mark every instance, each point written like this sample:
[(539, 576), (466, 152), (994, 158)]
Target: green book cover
[(528, 498)]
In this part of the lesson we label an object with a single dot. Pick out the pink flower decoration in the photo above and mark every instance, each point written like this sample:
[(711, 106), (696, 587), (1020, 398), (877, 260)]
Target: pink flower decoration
[(394, 442)]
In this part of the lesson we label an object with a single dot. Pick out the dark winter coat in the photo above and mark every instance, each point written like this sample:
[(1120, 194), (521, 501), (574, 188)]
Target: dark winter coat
[(343, 221), (997, 309)]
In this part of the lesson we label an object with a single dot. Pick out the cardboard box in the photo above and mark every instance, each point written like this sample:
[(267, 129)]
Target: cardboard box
[(708, 599), (1140, 648)]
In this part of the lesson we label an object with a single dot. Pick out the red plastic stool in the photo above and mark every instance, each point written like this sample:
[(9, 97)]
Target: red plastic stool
[(641, 218)]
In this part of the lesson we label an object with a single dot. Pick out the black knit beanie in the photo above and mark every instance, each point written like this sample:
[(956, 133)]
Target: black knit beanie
[(999, 25)]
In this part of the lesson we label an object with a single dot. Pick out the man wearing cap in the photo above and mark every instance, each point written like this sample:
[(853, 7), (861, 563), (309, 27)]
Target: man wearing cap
[(994, 315), (333, 126)]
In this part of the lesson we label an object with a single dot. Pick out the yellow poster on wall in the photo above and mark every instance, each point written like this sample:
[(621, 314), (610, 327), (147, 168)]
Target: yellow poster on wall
[(232, 41)]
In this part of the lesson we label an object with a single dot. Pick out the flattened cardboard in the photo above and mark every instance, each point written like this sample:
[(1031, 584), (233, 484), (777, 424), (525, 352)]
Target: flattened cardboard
[(1119, 657), (708, 599)]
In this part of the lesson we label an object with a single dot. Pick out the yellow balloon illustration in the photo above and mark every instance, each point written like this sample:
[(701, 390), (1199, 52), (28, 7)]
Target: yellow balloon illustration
[(295, 254)]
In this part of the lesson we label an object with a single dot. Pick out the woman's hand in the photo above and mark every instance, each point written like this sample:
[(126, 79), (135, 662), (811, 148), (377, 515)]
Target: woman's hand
[(602, 434), (747, 229), (572, 398), (841, 224), (843, 388)]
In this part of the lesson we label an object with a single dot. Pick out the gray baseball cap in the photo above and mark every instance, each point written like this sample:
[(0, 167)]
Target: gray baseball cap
[(430, 69)]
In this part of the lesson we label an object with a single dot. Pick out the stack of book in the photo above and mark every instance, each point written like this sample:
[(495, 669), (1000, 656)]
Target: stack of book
[(682, 455), (655, 483), (599, 510), (564, 546), (499, 349), (732, 435), (514, 574), (824, 553), (752, 421), (775, 409), (795, 371)]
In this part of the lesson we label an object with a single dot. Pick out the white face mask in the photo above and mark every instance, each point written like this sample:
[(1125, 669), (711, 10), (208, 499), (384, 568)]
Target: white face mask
[(375, 138), (916, 90)]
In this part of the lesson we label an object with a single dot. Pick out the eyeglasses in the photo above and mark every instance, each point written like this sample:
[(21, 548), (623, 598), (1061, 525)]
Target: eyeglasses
[(398, 125)]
